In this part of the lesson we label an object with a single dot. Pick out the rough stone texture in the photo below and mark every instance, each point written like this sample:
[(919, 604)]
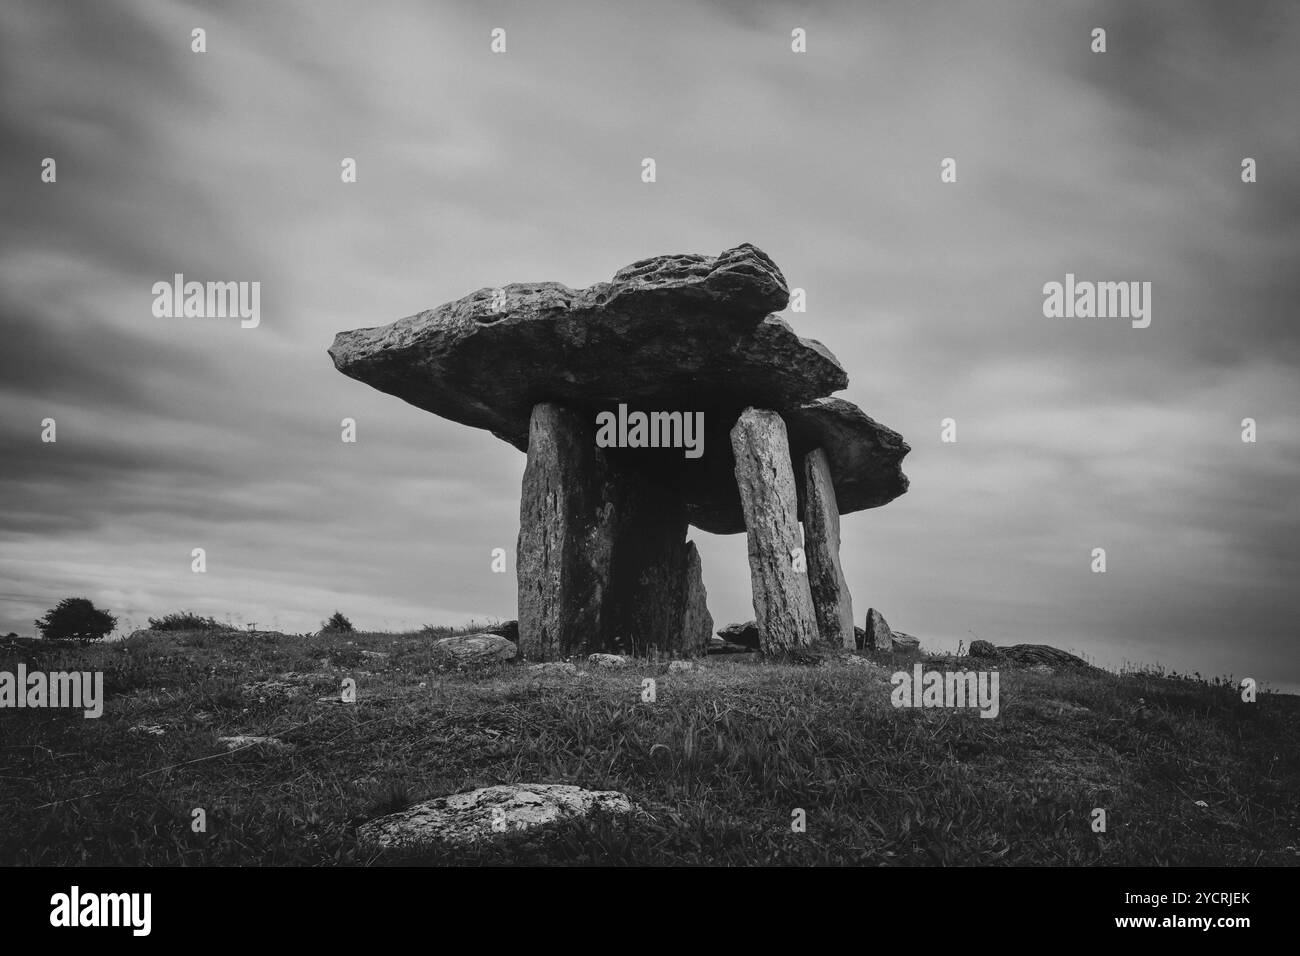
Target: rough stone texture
[(466, 650), (507, 629), (690, 330), (697, 622), (608, 660), (680, 666), (865, 458), (603, 561), (746, 635), (821, 536), (479, 814), (879, 636), (782, 603), (1027, 655), (674, 333), (566, 537), (906, 642)]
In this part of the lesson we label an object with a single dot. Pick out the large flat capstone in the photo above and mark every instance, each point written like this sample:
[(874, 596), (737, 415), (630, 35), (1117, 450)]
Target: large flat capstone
[(686, 333)]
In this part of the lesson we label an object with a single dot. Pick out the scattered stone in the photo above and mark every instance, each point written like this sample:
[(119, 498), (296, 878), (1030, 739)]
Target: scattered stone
[(906, 642), (853, 660), (377, 655), (1026, 654), (608, 660), (470, 650), (244, 740), (479, 814), (879, 636), (681, 666), (782, 602), (1029, 655), (554, 667), (746, 635)]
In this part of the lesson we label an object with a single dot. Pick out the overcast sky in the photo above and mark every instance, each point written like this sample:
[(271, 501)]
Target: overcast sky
[(478, 169)]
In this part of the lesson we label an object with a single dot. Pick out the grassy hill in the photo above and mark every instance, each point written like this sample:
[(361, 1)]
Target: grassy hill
[(718, 763)]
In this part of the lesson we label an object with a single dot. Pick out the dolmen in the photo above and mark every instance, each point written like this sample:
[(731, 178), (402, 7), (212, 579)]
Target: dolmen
[(669, 397)]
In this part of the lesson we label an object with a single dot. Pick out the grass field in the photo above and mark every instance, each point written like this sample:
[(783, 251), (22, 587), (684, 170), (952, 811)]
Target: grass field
[(717, 764)]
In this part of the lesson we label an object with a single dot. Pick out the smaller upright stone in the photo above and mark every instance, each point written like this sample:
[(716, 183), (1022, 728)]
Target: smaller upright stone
[(879, 636), (697, 623), (821, 535)]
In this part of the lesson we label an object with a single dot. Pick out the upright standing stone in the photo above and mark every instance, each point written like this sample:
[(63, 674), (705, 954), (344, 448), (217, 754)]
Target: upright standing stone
[(566, 536), (697, 622), (821, 536), (765, 478), (878, 635), (648, 565)]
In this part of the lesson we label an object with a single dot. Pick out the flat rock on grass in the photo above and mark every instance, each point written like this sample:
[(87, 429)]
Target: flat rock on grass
[(608, 660), (470, 650), (478, 814)]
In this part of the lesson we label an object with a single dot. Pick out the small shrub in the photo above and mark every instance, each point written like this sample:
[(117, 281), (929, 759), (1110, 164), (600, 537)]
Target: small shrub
[(338, 624), (76, 619), (184, 621)]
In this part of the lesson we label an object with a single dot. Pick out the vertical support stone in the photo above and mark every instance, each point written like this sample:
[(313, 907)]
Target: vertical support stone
[(782, 602), (566, 536), (697, 623), (648, 568), (821, 536)]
